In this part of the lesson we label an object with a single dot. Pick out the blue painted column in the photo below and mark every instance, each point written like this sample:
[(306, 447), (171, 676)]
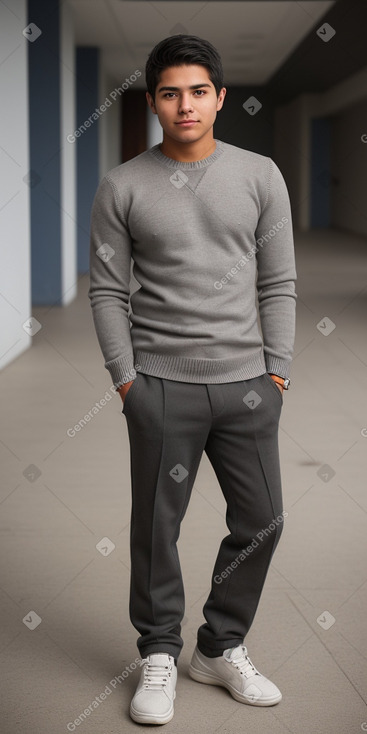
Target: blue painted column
[(320, 173), (45, 158), (87, 64)]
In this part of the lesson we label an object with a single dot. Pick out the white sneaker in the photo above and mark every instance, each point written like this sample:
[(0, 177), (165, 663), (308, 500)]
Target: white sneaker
[(156, 691), (234, 670)]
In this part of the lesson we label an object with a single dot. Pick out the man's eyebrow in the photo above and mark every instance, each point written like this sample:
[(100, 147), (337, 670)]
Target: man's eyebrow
[(177, 89)]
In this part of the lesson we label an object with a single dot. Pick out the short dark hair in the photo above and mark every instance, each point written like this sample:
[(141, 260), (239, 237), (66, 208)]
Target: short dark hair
[(183, 50)]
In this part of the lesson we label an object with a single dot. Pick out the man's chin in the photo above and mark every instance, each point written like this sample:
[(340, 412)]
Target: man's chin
[(186, 135)]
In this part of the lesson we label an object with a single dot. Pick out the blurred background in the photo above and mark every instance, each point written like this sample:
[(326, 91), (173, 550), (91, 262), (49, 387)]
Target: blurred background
[(312, 87), (72, 107)]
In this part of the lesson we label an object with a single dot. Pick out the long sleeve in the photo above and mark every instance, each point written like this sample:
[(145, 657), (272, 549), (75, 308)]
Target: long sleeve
[(276, 275), (109, 291)]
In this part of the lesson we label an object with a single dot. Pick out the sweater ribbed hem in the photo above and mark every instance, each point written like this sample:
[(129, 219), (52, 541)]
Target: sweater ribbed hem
[(186, 369), (209, 371)]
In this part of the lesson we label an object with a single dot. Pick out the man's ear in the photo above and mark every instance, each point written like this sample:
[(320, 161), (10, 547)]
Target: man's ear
[(220, 99), (150, 101)]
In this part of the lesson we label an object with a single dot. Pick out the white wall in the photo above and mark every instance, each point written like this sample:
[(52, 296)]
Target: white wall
[(292, 150), (154, 129), (68, 157), (15, 286), (342, 96), (110, 130), (292, 154)]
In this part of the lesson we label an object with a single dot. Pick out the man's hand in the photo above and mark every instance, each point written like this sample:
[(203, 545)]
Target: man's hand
[(281, 388), (124, 389)]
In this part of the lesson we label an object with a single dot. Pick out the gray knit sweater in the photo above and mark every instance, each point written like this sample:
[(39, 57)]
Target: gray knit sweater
[(213, 257)]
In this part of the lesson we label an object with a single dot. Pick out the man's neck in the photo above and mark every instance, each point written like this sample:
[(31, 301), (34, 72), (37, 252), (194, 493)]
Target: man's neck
[(188, 152)]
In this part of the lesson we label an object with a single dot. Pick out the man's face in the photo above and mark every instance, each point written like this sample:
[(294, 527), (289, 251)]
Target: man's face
[(176, 100)]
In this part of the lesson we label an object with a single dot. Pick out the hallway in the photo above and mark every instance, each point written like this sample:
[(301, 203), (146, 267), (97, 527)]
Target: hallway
[(66, 490)]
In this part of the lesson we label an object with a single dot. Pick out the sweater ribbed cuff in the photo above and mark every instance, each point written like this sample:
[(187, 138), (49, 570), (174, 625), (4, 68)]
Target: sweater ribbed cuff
[(277, 366), (121, 369)]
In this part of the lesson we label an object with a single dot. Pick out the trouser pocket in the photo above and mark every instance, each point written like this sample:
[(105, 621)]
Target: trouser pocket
[(130, 394), (274, 386)]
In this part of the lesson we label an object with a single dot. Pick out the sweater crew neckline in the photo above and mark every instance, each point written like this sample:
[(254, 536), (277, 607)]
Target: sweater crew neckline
[(187, 165)]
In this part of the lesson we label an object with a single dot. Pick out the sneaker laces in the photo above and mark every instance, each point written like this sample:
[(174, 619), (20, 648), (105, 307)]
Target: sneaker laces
[(243, 662), (155, 676)]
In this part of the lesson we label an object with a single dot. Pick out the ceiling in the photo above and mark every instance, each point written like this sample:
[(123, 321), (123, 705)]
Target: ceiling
[(254, 38)]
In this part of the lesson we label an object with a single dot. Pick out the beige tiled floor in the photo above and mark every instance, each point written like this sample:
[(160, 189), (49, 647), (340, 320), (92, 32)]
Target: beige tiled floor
[(51, 523)]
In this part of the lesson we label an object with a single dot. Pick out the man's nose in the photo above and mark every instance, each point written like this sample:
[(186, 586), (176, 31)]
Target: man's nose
[(185, 103)]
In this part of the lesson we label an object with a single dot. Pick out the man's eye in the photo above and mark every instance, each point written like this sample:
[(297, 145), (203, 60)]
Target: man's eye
[(201, 92)]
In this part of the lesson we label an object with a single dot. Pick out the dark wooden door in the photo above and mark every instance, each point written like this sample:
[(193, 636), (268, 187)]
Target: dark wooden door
[(134, 123)]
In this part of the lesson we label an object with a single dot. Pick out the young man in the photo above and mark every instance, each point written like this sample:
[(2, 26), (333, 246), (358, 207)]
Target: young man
[(208, 227)]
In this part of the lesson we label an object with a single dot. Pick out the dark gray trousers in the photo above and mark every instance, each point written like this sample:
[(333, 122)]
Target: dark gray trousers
[(170, 424)]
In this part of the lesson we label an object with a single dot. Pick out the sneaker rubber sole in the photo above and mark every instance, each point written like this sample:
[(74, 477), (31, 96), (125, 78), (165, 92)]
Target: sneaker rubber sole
[(213, 680), (141, 718)]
